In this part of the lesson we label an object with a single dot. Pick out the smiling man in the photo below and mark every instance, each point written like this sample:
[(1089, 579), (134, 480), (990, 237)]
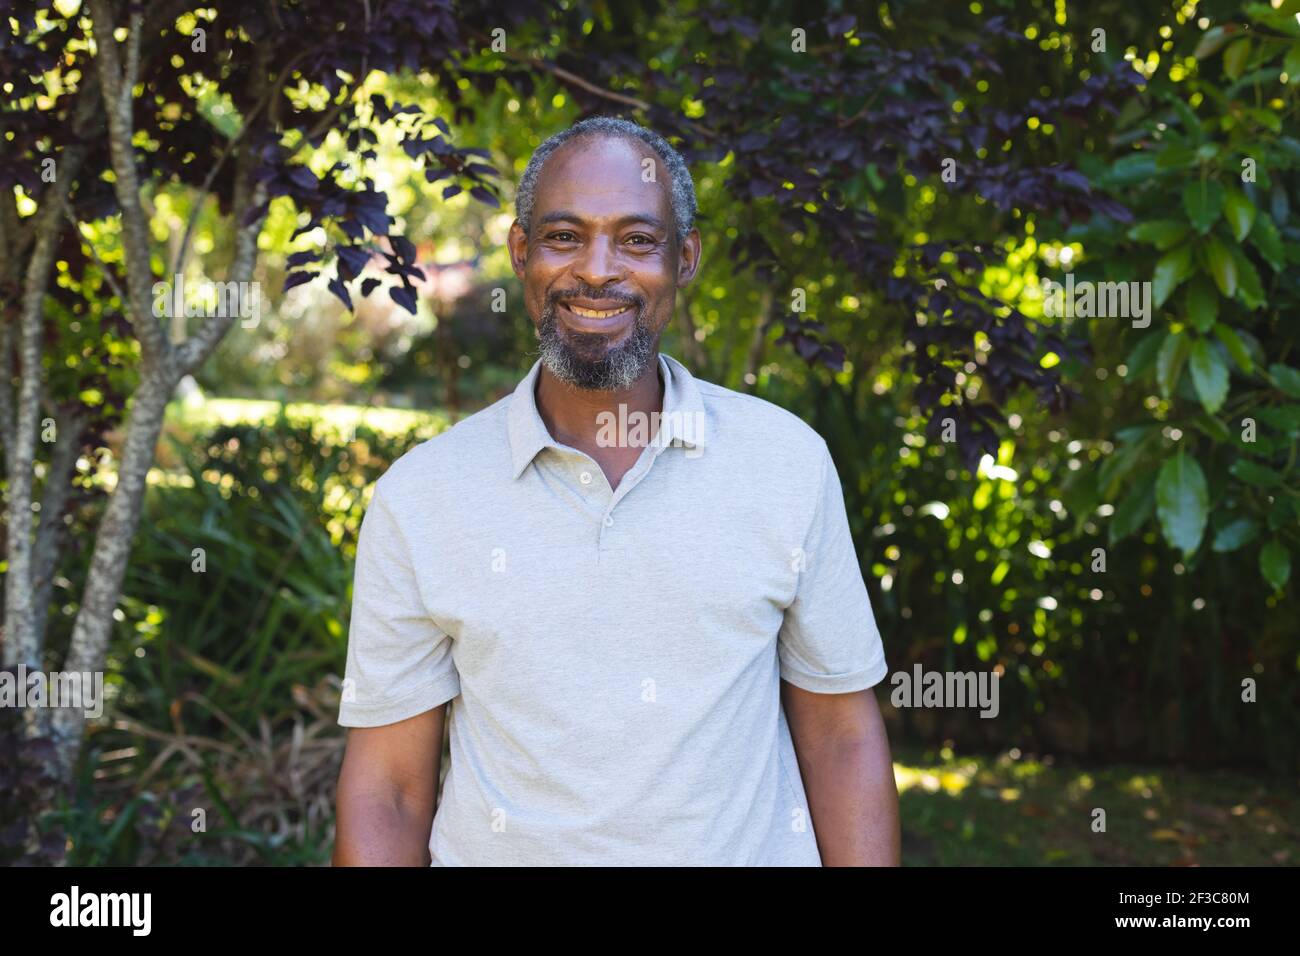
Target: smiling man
[(653, 644)]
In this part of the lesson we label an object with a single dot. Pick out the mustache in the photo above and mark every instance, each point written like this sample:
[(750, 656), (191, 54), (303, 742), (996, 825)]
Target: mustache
[(555, 298)]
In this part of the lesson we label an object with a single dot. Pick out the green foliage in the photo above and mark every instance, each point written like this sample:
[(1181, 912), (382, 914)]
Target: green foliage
[(1124, 565), (1213, 146), (275, 510), (247, 650)]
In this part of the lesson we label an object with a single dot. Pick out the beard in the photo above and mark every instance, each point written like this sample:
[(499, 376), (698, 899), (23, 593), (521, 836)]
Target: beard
[(585, 360)]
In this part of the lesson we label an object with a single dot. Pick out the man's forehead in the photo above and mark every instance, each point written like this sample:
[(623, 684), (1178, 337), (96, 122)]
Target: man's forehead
[(598, 174)]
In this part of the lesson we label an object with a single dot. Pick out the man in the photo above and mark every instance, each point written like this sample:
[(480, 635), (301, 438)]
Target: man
[(637, 590)]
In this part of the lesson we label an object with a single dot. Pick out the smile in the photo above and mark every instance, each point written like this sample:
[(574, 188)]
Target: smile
[(597, 313), (583, 319)]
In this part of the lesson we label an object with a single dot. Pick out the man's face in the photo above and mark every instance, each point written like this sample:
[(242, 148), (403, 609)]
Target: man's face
[(602, 266)]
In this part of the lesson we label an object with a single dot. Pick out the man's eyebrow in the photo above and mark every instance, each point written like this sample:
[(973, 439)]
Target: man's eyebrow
[(563, 215)]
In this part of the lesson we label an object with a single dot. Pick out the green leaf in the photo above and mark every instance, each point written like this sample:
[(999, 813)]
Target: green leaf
[(1265, 237), (1240, 213), (1144, 353), (1209, 375), (1182, 502), (1286, 378), (1186, 116), (1132, 434), (1211, 426), (1172, 268), (1137, 168), (1285, 418), (1266, 118), (1235, 58), (1275, 563), (1282, 514), (1219, 260), (1169, 363), (1236, 348), (1249, 291), (1280, 15), (1203, 201), (1202, 302), (1177, 157), (1211, 41), (1161, 233), (1291, 62), (1254, 474), (1233, 536), (1118, 464), (1253, 346), (1133, 512)]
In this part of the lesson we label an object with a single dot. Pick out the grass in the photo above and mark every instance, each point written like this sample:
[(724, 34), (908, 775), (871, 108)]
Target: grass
[(1021, 811), (341, 419)]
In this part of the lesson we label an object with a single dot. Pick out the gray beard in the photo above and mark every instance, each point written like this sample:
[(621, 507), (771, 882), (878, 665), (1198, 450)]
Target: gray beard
[(583, 361)]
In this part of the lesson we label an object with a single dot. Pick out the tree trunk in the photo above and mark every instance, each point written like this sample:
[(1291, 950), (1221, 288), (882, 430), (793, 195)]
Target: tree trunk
[(22, 643), (107, 570), (51, 532)]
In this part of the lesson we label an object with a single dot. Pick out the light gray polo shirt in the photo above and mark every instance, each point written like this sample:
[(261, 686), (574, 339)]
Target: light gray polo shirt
[(613, 657)]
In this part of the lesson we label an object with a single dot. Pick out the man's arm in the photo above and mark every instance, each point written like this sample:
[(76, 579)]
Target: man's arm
[(387, 790), (847, 774)]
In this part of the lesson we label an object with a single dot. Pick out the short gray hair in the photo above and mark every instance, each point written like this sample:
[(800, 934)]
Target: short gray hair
[(683, 187)]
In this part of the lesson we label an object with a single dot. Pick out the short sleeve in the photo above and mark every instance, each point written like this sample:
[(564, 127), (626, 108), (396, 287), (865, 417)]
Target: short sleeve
[(829, 642), (399, 662)]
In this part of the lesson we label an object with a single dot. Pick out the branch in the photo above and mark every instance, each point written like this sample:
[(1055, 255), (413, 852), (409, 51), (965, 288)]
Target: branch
[(117, 88), (22, 643), (7, 422), (195, 350), (94, 254), (132, 76), (574, 80), (50, 532), (208, 180)]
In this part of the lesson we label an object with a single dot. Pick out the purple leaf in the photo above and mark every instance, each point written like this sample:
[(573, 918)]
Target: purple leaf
[(297, 279), (339, 289), (403, 296)]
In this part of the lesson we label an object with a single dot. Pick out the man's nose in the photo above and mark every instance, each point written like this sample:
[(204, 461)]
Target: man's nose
[(598, 264)]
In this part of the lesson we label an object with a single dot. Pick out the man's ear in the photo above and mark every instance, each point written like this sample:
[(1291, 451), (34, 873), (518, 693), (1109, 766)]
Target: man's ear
[(688, 259), (517, 243)]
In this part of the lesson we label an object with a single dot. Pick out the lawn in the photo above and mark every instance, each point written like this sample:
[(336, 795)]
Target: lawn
[(1016, 810)]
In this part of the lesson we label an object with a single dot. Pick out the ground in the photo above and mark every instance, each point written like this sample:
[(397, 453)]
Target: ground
[(1016, 810)]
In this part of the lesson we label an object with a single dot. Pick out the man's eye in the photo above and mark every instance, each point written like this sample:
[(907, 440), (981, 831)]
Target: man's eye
[(645, 239), (560, 236)]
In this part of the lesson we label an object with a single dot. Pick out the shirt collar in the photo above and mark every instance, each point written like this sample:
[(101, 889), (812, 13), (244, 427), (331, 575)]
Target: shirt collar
[(683, 421)]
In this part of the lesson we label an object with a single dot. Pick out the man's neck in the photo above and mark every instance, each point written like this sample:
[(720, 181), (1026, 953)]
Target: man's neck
[(573, 415)]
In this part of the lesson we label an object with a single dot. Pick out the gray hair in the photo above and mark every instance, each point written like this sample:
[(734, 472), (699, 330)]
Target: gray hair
[(683, 188)]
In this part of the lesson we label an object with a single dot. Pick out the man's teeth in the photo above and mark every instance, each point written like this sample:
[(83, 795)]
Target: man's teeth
[(596, 313)]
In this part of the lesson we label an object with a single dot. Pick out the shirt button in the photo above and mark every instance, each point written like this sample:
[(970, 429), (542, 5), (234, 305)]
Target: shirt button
[(609, 521), (585, 477)]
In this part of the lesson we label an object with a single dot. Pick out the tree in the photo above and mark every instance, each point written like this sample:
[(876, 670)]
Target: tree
[(127, 95)]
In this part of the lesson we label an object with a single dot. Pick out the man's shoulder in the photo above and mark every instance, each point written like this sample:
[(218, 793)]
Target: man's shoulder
[(452, 456), (738, 417)]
